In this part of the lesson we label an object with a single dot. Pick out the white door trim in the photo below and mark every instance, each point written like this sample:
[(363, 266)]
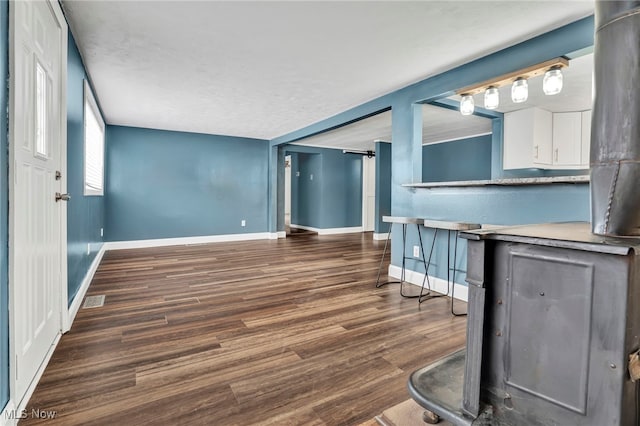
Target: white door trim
[(21, 400), (368, 184)]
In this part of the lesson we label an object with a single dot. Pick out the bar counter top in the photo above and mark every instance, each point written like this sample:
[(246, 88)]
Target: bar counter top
[(578, 179)]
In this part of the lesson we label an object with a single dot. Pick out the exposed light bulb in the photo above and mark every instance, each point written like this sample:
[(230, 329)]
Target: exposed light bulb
[(491, 98), (519, 90), (466, 105), (552, 83)]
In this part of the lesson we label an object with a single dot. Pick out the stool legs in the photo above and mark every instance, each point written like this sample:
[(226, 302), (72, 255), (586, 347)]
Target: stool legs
[(451, 271), (386, 243), (428, 295), (403, 272)]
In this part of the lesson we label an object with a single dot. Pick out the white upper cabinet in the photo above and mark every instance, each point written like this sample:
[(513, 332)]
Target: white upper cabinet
[(527, 139), (536, 138)]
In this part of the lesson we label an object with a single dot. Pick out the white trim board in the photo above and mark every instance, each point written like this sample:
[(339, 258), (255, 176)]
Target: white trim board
[(77, 300), (161, 242), (329, 231), (8, 412), (437, 284), (381, 236)]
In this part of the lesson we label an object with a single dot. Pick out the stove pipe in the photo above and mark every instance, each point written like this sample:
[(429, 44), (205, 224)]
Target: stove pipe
[(615, 130)]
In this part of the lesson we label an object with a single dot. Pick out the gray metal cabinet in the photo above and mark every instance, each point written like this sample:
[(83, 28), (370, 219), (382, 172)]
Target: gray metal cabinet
[(561, 317)]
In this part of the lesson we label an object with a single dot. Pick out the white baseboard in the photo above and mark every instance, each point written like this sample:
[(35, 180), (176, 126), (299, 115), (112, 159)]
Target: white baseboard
[(437, 284), (77, 300), (9, 415), (160, 242), (381, 236), (36, 378), (329, 231)]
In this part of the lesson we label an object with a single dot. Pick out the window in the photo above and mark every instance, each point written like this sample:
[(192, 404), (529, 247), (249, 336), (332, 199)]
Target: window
[(93, 145), (42, 98)]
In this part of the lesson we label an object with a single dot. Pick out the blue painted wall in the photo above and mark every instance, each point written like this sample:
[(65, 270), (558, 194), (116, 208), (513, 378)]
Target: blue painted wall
[(333, 198), (306, 193), (500, 205), (163, 184), (294, 186), (489, 205), (492, 205), (85, 215), (4, 207), (383, 186), (464, 159)]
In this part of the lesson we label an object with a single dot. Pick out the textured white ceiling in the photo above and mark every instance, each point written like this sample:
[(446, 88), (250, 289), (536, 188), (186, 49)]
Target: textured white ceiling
[(262, 68)]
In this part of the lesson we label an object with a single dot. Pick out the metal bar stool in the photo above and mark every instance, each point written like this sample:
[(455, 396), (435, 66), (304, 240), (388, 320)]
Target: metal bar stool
[(404, 221), (450, 227)]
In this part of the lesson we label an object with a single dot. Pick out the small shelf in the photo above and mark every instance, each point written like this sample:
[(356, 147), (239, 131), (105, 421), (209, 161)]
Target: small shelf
[(578, 179)]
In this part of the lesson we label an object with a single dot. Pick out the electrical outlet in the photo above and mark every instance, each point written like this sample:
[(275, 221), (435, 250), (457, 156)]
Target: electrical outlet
[(88, 249), (297, 174), (102, 232), (311, 177), (416, 251), (243, 223)]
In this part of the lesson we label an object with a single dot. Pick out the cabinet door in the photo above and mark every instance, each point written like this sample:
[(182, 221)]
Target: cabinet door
[(542, 138), (517, 139), (586, 138), (527, 139), (567, 139)]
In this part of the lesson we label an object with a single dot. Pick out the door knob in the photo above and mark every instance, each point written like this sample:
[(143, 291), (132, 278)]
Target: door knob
[(63, 197)]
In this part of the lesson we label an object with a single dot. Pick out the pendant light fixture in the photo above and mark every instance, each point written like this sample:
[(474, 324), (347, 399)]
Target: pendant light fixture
[(466, 105), (552, 82), (491, 98), (520, 90)]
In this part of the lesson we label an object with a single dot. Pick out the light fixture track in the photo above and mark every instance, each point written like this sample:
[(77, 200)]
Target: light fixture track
[(509, 78)]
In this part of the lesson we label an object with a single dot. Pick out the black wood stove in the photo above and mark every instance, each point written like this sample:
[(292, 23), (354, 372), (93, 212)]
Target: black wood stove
[(554, 315)]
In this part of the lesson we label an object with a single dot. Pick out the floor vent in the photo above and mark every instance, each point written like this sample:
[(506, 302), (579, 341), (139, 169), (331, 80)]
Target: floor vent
[(93, 301)]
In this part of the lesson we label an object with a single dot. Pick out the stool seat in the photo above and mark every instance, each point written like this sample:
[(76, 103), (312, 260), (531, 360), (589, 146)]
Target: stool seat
[(401, 219), (451, 226)]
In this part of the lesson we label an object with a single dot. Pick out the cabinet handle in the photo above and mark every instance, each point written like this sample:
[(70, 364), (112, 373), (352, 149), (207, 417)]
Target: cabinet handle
[(536, 153), (556, 152)]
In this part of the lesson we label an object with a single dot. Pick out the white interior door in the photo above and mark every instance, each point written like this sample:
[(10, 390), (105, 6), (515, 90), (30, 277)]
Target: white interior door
[(368, 193), (37, 222)]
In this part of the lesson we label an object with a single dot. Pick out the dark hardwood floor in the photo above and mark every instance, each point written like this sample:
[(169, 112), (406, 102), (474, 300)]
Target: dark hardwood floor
[(265, 332)]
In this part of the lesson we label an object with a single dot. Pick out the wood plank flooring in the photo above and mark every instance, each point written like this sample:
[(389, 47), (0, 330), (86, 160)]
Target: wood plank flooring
[(282, 332)]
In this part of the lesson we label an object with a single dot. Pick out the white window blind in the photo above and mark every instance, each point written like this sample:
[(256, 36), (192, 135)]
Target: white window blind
[(93, 145)]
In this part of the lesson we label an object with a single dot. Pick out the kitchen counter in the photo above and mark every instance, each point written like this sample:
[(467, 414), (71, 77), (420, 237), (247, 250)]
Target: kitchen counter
[(579, 179)]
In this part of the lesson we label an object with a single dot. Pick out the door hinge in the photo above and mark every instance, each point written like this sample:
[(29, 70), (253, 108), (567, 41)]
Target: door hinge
[(16, 368)]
